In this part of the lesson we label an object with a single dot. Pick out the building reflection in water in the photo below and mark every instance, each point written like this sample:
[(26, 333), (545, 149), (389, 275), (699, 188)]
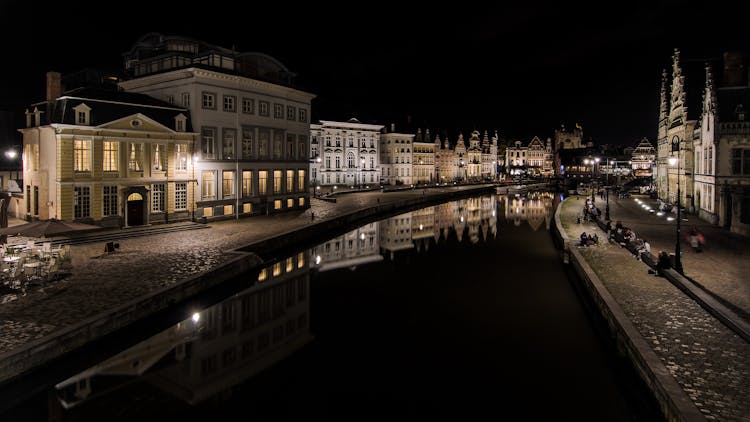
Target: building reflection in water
[(216, 348), (224, 345), (534, 208), (474, 218)]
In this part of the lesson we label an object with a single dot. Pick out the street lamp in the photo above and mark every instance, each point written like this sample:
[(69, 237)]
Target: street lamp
[(593, 162), (676, 161)]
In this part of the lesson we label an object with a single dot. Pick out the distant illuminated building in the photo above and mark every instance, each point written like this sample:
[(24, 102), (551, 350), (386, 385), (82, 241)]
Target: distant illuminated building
[(345, 153), (396, 158), (423, 159), (643, 159)]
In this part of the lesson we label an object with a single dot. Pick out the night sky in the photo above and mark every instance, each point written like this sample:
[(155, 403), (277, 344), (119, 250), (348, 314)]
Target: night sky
[(522, 69)]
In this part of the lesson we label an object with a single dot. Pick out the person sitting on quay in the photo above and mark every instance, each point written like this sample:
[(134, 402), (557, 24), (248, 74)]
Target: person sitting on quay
[(593, 239), (664, 262), (584, 239), (641, 247)]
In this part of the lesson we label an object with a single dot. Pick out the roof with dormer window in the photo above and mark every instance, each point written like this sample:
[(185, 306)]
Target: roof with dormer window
[(107, 106)]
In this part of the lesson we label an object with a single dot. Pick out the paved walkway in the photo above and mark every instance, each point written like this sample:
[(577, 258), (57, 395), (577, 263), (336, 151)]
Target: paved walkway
[(708, 360), (144, 264), (721, 268)]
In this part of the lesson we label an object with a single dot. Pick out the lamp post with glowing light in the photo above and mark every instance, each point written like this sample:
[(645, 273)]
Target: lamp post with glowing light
[(12, 154), (315, 170), (676, 161), (593, 162)]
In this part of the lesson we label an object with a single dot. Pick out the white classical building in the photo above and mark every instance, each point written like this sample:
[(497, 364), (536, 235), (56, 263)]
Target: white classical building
[(252, 153), (345, 153)]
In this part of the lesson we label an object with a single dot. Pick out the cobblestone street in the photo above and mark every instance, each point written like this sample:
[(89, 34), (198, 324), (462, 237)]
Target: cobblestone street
[(708, 360)]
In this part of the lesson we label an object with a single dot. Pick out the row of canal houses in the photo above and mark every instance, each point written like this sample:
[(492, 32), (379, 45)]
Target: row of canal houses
[(199, 131)]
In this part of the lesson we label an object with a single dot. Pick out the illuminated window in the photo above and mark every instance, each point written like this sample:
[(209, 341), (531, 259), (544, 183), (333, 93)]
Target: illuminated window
[(290, 203), (181, 157), (227, 184), (302, 201), (289, 264), (82, 156), (300, 260), (277, 269), (300, 180), (277, 181), (247, 207), (158, 156), (228, 209), (207, 185), (208, 211), (262, 182), (111, 156), (247, 183), (290, 180), (277, 204), (263, 274)]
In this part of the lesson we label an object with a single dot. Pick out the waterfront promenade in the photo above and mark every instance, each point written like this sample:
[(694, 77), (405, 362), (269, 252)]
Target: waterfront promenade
[(708, 361)]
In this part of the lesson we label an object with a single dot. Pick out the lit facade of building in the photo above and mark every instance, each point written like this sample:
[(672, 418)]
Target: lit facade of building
[(676, 130), (396, 158), (252, 152), (423, 159), (722, 149), (348, 152), (111, 158)]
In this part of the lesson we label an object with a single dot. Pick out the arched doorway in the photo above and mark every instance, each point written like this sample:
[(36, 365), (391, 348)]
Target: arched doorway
[(135, 209)]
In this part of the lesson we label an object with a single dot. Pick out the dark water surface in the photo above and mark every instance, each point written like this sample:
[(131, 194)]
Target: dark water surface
[(461, 311)]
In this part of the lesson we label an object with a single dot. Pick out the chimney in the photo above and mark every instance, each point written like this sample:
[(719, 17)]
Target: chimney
[(734, 69), (54, 86), (393, 127)]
